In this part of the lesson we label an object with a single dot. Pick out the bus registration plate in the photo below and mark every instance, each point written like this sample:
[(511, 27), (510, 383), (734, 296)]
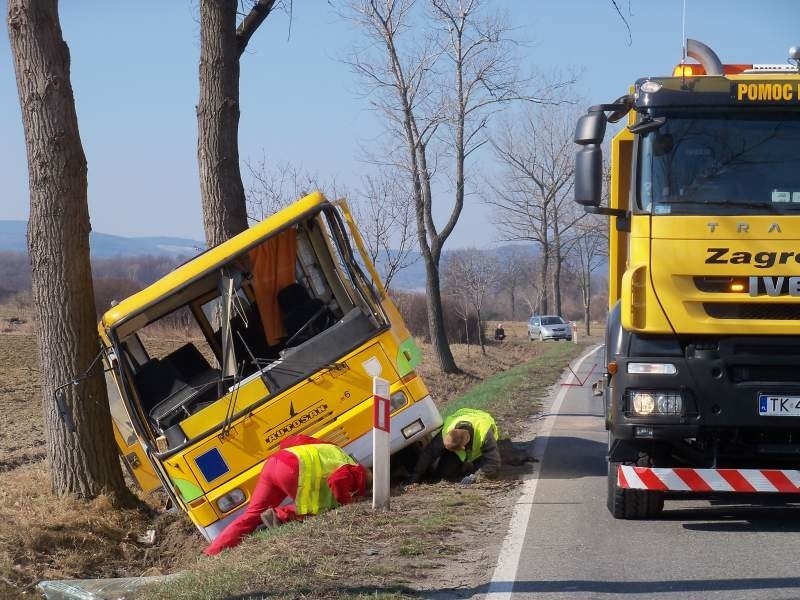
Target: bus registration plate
[(774, 405)]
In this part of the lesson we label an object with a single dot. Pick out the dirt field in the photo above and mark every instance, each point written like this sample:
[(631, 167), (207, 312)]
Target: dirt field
[(46, 538)]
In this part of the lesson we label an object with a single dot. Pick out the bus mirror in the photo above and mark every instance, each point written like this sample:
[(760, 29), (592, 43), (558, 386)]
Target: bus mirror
[(589, 175), (591, 128)]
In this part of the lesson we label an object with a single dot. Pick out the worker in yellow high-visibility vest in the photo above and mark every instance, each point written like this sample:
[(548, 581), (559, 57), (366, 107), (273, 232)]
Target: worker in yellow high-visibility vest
[(465, 448), (315, 475)]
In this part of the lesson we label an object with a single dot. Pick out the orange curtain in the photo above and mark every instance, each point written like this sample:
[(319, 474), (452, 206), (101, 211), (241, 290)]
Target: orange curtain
[(273, 269)]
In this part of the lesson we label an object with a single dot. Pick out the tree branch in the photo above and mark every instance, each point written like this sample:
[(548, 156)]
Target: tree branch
[(252, 21)]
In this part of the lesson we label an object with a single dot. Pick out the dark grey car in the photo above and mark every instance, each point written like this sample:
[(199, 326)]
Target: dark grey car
[(549, 327)]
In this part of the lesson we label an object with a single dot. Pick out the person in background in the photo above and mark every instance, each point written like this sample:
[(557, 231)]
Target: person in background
[(317, 477), (499, 333), (465, 448)]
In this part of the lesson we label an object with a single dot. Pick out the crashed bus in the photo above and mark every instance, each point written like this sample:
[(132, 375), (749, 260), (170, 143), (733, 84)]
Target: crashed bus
[(286, 328)]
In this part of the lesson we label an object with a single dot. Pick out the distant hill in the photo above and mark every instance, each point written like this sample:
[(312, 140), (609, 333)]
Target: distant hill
[(412, 278), (103, 245)]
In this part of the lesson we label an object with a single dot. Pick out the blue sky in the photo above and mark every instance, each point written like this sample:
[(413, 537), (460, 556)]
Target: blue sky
[(134, 74)]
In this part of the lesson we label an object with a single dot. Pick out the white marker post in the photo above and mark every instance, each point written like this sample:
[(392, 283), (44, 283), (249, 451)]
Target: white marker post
[(380, 444), (574, 326)]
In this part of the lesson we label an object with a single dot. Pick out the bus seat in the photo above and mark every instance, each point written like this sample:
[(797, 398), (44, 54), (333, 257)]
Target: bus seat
[(298, 307)]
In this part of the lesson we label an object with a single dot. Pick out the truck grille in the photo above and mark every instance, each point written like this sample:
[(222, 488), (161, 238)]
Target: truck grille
[(747, 310), (763, 373)]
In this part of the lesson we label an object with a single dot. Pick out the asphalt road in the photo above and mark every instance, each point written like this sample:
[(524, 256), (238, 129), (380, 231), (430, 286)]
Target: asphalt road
[(573, 548)]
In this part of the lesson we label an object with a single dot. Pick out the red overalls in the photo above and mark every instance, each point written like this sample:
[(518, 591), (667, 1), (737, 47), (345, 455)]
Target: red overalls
[(278, 481)]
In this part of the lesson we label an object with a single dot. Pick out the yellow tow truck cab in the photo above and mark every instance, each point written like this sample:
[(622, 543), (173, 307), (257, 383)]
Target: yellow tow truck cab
[(277, 331), (703, 333)]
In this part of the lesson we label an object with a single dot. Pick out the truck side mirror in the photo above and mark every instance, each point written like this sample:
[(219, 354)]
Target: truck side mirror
[(589, 133), (589, 175), (591, 128)]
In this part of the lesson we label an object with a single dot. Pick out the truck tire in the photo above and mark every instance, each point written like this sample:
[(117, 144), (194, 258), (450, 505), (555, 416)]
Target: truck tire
[(631, 504)]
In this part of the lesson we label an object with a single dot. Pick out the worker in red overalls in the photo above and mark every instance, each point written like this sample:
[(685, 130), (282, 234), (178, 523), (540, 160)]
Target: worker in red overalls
[(317, 476)]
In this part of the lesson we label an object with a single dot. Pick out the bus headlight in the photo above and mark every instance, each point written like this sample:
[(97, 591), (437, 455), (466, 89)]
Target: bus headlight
[(230, 500), (397, 401)]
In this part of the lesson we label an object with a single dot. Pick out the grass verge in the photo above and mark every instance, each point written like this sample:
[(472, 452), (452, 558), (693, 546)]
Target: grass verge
[(349, 553), (515, 393)]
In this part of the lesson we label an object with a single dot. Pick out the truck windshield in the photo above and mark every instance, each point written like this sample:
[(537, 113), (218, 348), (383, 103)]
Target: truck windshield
[(721, 164)]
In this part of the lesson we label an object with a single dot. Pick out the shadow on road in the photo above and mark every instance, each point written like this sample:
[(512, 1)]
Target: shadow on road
[(621, 587), (574, 457), (735, 518)]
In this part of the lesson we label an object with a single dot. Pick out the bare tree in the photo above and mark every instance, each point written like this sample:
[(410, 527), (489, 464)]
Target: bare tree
[(516, 270), (531, 197), (384, 211), (471, 275), (566, 215), (403, 90), (588, 254), (221, 46), (438, 91), (382, 207), (274, 186), (80, 444)]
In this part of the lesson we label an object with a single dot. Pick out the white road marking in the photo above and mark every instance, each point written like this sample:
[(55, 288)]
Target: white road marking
[(505, 573)]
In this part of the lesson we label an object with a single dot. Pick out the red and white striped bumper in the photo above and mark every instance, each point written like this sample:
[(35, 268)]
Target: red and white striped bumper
[(709, 480)]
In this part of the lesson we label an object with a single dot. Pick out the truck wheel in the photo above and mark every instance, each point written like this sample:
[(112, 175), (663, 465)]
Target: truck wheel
[(631, 504)]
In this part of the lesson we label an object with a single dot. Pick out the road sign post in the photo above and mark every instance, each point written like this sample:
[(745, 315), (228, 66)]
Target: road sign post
[(380, 444)]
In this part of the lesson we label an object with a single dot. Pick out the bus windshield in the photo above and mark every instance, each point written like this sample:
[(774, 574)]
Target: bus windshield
[(277, 313), (721, 163)]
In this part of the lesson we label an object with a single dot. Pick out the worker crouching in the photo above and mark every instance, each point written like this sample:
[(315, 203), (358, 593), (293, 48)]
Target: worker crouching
[(315, 475), (464, 450)]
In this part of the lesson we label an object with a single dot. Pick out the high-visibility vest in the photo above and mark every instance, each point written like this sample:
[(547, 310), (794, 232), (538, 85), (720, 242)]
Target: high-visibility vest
[(317, 462), (482, 422)]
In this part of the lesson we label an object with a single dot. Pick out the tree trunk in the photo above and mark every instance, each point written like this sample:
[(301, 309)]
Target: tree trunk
[(466, 331), (544, 281), (221, 188), (586, 316), (83, 462), (439, 344), (557, 262), (480, 332), (587, 303)]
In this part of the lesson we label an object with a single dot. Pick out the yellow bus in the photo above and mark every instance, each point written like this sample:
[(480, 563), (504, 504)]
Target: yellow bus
[(283, 328)]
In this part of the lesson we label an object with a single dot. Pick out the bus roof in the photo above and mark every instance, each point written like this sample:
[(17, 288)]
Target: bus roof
[(212, 259)]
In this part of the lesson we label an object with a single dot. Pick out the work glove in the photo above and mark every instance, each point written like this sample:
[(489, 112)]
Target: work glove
[(469, 479)]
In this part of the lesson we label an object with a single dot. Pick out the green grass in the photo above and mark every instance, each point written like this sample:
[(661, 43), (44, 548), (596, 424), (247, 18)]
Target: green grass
[(516, 392)]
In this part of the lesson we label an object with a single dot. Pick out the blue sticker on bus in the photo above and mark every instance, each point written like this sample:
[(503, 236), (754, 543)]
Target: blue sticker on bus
[(212, 465)]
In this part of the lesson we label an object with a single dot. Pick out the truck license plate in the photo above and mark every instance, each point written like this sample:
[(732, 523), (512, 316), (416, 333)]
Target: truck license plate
[(774, 405)]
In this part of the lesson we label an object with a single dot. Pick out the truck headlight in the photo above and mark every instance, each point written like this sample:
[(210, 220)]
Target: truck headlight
[(656, 402), (642, 403), (230, 500)]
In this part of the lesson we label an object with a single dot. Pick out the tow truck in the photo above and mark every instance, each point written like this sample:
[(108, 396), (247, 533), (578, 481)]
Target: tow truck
[(702, 382)]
